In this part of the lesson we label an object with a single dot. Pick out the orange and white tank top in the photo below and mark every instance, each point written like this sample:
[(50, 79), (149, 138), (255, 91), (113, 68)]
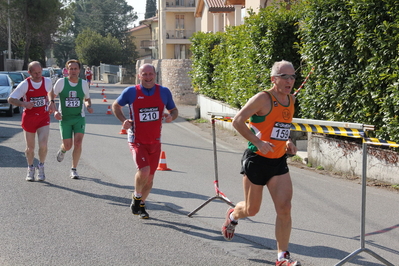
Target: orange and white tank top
[(273, 127)]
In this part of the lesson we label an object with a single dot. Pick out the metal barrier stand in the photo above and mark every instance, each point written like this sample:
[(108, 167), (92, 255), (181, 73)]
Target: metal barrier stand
[(363, 218), (354, 130), (318, 126), (217, 196)]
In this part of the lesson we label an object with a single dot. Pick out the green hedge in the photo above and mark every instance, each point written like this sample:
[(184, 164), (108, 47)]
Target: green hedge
[(354, 48), (233, 66), (352, 44)]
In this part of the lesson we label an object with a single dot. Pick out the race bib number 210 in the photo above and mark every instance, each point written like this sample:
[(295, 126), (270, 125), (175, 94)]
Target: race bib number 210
[(149, 114)]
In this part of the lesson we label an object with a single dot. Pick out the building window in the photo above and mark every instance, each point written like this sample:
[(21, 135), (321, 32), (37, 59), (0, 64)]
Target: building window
[(182, 51), (179, 26), (179, 2)]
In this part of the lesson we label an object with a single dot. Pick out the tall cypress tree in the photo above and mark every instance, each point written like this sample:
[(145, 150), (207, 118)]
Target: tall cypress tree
[(150, 9)]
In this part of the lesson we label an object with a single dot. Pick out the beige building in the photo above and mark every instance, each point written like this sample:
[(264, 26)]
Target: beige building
[(146, 38), (176, 25), (215, 15)]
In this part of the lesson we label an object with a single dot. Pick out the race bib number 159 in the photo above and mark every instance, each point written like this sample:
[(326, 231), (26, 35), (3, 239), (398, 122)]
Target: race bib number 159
[(281, 131)]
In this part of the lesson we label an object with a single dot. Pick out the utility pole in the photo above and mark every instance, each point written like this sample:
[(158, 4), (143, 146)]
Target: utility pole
[(9, 32)]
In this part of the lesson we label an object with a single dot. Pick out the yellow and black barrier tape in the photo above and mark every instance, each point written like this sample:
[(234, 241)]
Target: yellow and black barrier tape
[(226, 119), (381, 142), (330, 130), (340, 131)]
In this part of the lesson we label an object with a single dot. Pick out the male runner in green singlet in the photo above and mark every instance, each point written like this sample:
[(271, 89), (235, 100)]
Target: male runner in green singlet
[(74, 96)]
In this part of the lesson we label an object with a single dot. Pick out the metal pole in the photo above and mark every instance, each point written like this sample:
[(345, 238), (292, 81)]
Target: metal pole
[(364, 184), (363, 218), (215, 155), (9, 31), (216, 175)]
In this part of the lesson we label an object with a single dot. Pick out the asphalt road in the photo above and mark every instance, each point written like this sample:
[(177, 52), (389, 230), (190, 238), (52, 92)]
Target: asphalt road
[(88, 221)]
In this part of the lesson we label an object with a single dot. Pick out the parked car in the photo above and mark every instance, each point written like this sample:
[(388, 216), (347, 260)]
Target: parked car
[(58, 72), (48, 72), (6, 87), (25, 73), (17, 77)]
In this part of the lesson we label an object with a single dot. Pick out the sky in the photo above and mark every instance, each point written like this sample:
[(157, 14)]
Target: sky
[(139, 7)]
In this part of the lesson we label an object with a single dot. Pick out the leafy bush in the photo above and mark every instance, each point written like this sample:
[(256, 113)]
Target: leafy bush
[(354, 49), (352, 44)]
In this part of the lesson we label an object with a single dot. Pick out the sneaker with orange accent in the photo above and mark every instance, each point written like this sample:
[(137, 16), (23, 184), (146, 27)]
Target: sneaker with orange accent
[(229, 226), (287, 261)]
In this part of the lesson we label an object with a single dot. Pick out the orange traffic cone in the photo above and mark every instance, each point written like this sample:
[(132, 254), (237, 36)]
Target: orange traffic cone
[(105, 98), (162, 163), (97, 85), (102, 92), (109, 110), (123, 131)]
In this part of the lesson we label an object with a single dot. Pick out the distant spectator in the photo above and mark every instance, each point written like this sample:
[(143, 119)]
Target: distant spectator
[(89, 75), (65, 72)]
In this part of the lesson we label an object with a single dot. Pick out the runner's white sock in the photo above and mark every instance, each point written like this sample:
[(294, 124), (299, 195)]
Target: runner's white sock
[(232, 218), (281, 255)]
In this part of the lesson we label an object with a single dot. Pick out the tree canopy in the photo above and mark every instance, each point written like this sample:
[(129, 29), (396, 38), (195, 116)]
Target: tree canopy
[(103, 16), (41, 25), (92, 48), (150, 9), (33, 23)]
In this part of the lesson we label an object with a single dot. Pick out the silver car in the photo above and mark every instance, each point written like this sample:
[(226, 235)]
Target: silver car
[(48, 72), (17, 77), (6, 87)]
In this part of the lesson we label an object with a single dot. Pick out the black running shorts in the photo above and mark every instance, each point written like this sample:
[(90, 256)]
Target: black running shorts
[(259, 169)]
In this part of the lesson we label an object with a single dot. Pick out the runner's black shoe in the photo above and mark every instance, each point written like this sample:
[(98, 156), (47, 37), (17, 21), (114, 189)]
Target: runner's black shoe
[(135, 205), (142, 212)]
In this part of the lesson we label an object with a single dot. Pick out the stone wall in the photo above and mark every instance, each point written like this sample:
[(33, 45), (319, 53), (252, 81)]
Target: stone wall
[(345, 157), (173, 73), (13, 65)]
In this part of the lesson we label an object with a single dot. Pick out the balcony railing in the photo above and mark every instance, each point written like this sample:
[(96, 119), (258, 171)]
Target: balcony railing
[(180, 3), (149, 44), (179, 34)]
